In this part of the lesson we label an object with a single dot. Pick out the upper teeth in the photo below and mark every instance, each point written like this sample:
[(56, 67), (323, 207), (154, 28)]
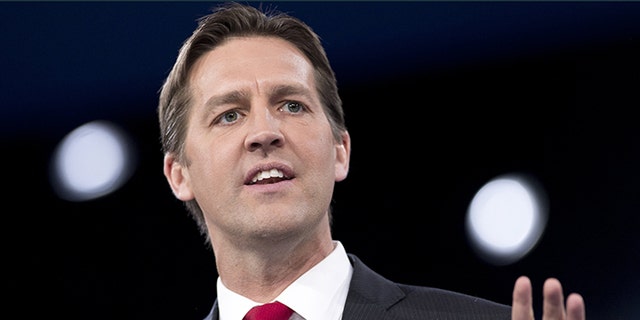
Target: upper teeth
[(273, 173)]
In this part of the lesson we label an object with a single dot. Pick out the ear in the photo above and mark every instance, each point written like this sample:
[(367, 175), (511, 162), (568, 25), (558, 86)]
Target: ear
[(343, 154), (178, 178)]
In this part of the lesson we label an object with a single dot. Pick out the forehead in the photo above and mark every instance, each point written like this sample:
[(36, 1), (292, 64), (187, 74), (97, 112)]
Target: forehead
[(251, 58)]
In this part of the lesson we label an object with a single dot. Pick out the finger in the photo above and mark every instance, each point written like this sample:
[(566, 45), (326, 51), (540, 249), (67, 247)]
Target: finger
[(522, 307), (553, 304), (575, 307)]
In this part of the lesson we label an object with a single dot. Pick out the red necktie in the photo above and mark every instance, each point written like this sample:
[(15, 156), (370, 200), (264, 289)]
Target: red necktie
[(269, 311)]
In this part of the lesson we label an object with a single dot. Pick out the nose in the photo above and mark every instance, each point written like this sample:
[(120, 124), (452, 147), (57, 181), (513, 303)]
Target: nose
[(264, 131)]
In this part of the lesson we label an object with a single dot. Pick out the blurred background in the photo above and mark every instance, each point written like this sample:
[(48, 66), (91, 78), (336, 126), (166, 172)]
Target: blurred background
[(441, 99)]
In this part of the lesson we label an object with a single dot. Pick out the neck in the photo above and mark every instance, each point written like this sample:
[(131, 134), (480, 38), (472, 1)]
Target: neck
[(262, 272)]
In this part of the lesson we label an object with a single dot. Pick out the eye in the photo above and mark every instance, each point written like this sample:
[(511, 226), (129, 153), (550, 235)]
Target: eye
[(292, 107), (228, 117)]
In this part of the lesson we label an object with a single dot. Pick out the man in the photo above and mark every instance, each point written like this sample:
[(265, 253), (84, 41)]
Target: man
[(254, 137)]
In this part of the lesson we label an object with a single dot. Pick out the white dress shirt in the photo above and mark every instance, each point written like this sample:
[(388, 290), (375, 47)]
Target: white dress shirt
[(319, 294)]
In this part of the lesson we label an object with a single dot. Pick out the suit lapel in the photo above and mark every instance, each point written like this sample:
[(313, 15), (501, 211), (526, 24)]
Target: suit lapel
[(370, 294)]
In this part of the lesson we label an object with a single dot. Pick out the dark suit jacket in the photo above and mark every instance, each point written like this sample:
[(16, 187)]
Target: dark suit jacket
[(373, 297)]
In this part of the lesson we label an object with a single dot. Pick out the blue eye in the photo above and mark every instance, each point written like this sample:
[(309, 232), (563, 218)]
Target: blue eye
[(293, 107), (230, 116)]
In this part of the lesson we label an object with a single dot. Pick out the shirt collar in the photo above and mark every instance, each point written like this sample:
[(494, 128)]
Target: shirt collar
[(326, 285)]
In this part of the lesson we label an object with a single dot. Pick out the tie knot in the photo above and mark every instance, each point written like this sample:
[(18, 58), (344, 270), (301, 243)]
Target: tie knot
[(269, 311)]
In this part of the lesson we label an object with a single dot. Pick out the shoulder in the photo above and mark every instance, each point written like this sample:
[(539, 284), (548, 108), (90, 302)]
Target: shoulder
[(370, 290), (451, 303)]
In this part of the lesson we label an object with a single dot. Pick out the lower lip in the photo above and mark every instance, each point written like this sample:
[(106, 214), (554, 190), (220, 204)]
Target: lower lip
[(271, 187)]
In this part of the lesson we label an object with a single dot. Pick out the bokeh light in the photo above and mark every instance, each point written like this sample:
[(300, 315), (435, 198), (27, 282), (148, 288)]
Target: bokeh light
[(506, 218), (91, 161)]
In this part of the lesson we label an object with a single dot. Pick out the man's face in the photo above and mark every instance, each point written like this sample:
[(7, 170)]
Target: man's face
[(262, 160)]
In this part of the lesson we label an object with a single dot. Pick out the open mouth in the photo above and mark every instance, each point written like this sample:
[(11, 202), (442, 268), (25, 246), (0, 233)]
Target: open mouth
[(268, 176)]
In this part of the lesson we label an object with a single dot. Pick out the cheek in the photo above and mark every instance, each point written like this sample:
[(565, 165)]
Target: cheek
[(322, 152), (212, 161), (207, 160)]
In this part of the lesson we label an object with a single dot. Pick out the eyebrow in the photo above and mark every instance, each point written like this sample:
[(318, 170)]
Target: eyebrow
[(289, 90), (232, 97), (275, 93)]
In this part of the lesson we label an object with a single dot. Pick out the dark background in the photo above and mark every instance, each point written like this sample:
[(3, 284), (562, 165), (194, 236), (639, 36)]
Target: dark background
[(440, 97)]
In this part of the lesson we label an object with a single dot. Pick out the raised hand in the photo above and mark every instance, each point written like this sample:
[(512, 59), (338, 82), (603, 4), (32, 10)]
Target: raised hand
[(553, 306)]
